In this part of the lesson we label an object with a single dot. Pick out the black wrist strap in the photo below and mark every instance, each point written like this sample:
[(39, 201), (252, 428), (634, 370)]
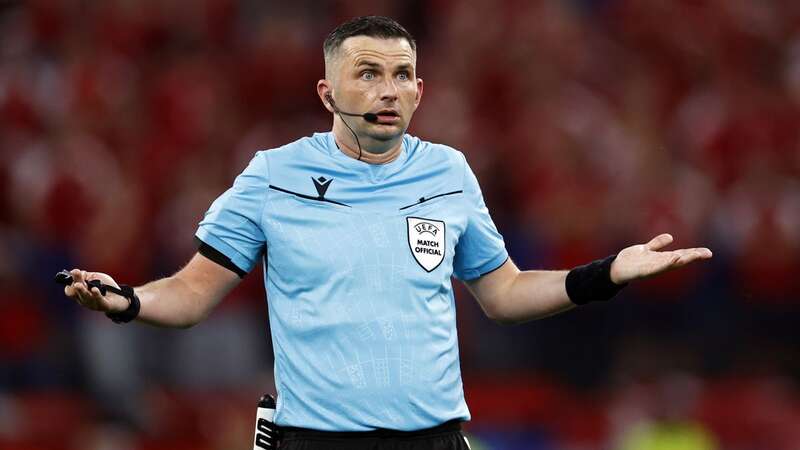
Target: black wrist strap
[(133, 308), (592, 282)]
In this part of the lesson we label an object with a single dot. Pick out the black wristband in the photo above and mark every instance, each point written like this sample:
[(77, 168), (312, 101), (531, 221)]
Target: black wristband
[(592, 282), (133, 308)]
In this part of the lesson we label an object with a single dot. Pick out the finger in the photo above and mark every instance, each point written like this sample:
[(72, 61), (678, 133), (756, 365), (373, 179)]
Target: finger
[(72, 289), (85, 277), (704, 253), (697, 253), (685, 256), (86, 296), (91, 298), (660, 241), (77, 276), (95, 293), (80, 292), (79, 299)]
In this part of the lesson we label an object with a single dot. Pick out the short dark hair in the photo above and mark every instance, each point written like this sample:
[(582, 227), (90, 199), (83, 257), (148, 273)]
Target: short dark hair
[(372, 26)]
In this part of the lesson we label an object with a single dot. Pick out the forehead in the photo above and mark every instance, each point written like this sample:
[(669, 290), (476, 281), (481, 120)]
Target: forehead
[(356, 49)]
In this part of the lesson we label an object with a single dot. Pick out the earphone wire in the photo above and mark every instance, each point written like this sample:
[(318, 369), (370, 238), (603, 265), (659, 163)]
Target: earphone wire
[(336, 110), (354, 135)]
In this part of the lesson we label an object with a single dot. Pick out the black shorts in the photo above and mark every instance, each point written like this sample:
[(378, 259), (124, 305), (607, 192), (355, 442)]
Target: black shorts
[(447, 436)]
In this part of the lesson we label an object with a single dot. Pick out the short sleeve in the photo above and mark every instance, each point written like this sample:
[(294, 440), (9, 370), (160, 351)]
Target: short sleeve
[(480, 249), (232, 225)]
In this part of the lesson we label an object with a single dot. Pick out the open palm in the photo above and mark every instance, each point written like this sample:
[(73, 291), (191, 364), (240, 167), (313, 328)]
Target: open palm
[(644, 260)]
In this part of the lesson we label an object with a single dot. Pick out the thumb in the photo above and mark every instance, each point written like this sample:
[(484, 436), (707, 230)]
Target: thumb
[(660, 241)]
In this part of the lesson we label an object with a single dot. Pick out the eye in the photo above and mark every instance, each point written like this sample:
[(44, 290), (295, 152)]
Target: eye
[(403, 76), (367, 75)]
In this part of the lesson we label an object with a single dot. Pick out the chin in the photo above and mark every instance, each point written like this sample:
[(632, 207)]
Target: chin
[(387, 133)]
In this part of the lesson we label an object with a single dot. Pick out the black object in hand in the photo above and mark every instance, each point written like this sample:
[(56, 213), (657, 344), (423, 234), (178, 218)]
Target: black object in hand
[(65, 278)]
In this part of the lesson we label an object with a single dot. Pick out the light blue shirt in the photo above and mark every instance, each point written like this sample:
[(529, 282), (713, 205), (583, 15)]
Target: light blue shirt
[(358, 265)]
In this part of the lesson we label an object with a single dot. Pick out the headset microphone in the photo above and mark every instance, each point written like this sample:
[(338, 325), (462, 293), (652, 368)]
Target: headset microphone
[(369, 117)]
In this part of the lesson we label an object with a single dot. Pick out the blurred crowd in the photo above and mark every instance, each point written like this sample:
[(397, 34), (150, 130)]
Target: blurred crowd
[(591, 124)]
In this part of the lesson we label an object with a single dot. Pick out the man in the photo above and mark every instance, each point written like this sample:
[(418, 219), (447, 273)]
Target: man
[(361, 230)]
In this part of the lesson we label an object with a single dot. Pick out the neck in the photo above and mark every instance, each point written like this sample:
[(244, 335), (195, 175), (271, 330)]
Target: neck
[(350, 148)]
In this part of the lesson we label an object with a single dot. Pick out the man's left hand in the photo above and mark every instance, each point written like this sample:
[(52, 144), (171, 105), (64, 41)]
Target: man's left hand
[(643, 260)]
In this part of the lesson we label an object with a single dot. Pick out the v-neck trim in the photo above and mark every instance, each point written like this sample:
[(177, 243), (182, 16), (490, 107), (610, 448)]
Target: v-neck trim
[(373, 172)]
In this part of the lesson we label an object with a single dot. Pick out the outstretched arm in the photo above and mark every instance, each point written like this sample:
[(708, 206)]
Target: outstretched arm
[(509, 295), (179, 301)]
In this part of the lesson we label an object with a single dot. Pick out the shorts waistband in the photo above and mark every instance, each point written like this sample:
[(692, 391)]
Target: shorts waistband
[(290, 433)]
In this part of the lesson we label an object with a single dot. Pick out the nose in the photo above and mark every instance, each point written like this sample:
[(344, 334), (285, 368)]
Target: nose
[(389, 90)]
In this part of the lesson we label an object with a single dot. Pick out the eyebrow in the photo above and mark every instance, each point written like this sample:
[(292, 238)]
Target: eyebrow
[(368, 63), (404, 66)]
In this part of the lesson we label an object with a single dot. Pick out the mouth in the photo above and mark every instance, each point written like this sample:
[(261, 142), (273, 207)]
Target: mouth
[(387, 116)]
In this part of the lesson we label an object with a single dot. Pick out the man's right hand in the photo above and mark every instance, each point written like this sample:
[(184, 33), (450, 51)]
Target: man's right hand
[(184, 299), (80, 292)]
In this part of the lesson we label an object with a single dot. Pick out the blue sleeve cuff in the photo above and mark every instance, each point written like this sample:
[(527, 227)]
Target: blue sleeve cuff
[(241, 261), (486, 268)]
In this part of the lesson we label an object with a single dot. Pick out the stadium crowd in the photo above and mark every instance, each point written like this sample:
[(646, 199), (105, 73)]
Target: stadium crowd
[(591, 124)]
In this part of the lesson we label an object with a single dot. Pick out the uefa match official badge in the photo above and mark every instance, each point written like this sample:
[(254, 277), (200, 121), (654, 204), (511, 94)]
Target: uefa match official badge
[(426, 239)]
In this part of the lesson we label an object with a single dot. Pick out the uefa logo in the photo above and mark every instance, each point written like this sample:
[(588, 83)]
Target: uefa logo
[(426, 240)]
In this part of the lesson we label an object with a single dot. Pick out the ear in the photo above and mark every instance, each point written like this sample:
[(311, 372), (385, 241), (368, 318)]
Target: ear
[(324, 90), (418, 98)]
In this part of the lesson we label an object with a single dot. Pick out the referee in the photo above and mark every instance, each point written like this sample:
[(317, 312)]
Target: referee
[(361, 229)]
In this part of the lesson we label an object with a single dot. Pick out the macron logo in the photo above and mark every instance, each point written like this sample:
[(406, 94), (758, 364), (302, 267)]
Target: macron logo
[(322, 186)]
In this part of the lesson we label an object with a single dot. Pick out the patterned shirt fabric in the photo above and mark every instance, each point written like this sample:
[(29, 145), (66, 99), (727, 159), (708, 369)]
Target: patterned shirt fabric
[(358, 260)]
